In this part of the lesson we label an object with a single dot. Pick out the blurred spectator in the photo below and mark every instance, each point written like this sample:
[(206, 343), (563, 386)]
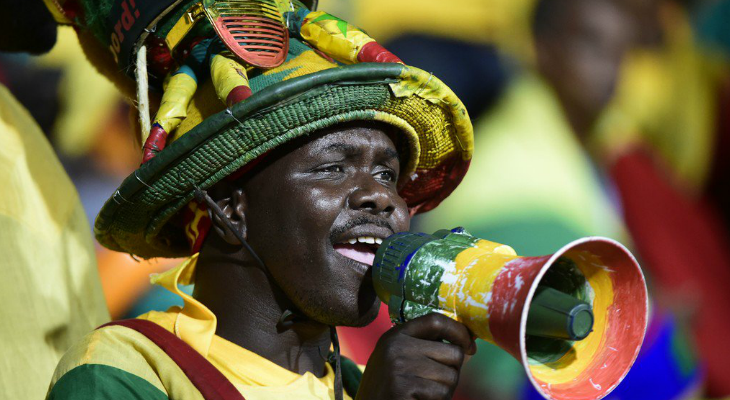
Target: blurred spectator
[(530, 184), (50, 292), (530, 173), (85, 118), (667, 122), (534, 186)]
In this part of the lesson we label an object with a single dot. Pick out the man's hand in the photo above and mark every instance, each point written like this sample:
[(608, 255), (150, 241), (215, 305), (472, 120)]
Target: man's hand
[(411, 361)]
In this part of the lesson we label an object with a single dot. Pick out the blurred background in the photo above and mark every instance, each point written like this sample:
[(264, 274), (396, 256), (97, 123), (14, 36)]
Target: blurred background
[(592, 117)]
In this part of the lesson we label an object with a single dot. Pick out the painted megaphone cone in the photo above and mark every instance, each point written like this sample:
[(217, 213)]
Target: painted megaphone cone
[(611, 282), (575, 319)]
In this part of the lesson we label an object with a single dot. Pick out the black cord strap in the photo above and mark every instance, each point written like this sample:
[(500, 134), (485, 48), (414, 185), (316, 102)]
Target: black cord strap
[(203, 197), (337, 366)]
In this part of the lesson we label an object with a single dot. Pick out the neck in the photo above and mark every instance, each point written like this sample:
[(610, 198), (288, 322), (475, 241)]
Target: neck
[(249, 307), (581, 124)]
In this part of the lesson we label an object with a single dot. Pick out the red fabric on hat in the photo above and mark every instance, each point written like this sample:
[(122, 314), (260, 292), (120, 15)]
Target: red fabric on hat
[(434, 185), (374, 52)]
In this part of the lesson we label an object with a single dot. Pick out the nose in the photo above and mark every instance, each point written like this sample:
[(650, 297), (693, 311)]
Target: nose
[(371, 196)]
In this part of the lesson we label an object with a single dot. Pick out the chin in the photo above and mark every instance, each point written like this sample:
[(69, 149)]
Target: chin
[(357, 313), (369, 316)]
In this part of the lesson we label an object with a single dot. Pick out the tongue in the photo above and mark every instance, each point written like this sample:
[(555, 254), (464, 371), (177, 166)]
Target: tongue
[(358, 252)]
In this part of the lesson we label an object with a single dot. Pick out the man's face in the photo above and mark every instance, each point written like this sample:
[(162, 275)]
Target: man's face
[(305, 209), (583, 55)]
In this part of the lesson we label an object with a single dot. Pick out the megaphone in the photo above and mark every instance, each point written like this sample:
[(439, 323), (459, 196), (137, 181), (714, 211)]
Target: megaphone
[(575, 319)]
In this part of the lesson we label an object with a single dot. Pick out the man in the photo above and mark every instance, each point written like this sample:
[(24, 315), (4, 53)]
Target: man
[(50, 292), (281, 200)]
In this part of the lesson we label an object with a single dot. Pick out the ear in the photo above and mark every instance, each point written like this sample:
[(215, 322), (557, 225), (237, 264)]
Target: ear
[(233, 207)]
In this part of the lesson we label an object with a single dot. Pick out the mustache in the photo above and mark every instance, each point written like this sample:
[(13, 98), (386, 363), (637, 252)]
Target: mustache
[(362, 220)]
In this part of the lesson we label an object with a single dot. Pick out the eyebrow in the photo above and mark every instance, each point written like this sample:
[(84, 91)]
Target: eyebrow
[(392, 154)]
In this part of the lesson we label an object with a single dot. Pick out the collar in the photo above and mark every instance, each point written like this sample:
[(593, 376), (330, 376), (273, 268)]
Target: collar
[(195, 324)]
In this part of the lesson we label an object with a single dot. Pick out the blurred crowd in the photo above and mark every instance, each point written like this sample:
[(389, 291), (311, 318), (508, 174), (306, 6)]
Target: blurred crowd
[(592, 117)]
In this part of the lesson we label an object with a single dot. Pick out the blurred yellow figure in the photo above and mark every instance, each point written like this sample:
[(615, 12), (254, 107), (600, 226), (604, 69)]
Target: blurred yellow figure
[(666, 98), (501, 22), (50, 292)]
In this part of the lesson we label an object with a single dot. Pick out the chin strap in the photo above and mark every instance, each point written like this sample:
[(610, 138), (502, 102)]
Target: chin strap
[(203, 197), (337, 367), (288, 317)]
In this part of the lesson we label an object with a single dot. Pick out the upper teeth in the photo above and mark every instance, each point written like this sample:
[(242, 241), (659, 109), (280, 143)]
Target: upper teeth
[(366, 239)]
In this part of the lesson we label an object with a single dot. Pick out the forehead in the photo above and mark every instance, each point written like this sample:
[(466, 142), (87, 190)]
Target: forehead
[(350, 138), (597, 17)]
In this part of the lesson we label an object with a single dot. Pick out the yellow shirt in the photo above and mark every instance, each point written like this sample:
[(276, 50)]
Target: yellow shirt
[(50, 294), (254, 376), (107, 359)]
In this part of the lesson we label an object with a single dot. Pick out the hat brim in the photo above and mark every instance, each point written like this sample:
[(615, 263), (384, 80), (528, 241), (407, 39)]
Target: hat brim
[(137, 218)]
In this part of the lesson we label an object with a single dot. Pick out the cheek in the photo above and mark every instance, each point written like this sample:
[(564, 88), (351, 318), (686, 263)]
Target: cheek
[(401, 218), (296, 223), (322, 203)]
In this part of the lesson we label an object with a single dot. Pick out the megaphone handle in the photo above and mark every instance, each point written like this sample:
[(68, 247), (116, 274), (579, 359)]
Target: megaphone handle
[(406, 310), (412, 310)]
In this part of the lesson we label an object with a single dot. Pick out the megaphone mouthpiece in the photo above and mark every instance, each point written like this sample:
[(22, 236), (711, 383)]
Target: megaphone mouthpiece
[(557, 315)]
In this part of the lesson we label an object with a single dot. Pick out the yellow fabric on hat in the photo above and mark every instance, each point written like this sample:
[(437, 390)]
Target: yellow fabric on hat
[(334, 36), (227, 74), (204, 103), (306, 63), (179, 90), (50, 291)]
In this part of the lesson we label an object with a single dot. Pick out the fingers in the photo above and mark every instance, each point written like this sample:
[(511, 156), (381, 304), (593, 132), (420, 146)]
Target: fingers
[(439, 373), (437, 327), (444, 353), (420, 359), (431, 390)]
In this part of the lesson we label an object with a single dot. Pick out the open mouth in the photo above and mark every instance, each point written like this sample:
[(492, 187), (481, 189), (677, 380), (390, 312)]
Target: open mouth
[(361, 249)]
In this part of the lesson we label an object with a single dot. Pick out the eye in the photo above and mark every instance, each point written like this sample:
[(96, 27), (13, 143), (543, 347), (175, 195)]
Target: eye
[(331, 169), (386, 175)]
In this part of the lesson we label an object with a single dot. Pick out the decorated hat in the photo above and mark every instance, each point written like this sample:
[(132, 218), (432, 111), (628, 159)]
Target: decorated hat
[(328, 72)]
